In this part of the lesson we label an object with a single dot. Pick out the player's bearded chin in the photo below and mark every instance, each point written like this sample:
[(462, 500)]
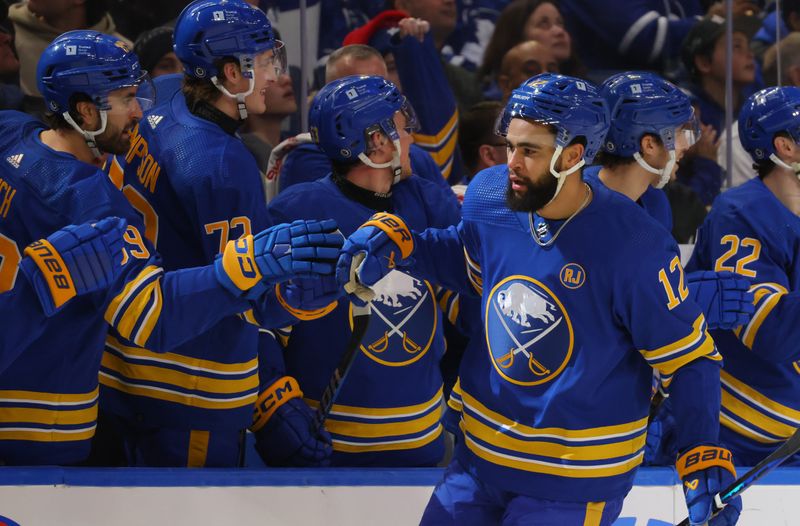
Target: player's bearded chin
[(536, 195)]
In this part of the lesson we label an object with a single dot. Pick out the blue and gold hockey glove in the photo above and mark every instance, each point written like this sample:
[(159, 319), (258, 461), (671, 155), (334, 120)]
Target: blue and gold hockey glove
[(705, 471), (309, 298), (381, 244), (250, 265), (284, 428), (723, 296), (73, 261)]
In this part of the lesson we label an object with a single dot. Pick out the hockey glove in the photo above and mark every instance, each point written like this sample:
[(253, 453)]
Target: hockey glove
[(381, 244), (723, 296), (250, 265), (284, 428), (660, 448), (309, 298), (704, 472), (73, 261)]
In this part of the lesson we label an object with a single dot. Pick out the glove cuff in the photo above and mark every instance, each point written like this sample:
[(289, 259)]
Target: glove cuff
[(271, 398), (53, 270), (300, 314), (396, 229), (704, 457), (239, 263)]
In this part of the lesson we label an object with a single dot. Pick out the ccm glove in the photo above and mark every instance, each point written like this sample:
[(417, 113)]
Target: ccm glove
[(723, 296), (284, 428), (250, 265), (705, 471), (377, 247), (73, 261)]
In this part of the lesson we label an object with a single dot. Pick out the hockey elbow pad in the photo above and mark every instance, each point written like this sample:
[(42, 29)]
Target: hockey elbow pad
[(73, 261), (380, 245)]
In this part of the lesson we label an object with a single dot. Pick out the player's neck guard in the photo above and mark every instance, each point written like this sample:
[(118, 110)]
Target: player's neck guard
[(664, 174), (794, 167), (87, 135), (561, 176)]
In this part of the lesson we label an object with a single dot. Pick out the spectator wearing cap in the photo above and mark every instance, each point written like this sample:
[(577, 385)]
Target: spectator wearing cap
[(155, 52), (409, 43), (39, 22)]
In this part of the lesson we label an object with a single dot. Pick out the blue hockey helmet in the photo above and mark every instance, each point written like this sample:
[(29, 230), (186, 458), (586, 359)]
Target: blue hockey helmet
[(91, 63), (642, 103), (766, 113), (347, 111), (209, 30), (571, 105)]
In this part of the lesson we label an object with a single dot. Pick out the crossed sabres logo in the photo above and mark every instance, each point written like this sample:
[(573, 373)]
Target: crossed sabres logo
[(395, 337), (525, 319)]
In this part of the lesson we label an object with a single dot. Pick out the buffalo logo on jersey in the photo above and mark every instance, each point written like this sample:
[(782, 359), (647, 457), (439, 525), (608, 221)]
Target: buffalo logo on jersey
[(572, 275), (528, 331), (404, 319), (5, 521)]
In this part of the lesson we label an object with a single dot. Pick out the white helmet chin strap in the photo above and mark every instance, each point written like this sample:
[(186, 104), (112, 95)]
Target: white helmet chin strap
[(795, 167), (397, 169), (664, 173), (561, 176), (239, 96), (89, 136)]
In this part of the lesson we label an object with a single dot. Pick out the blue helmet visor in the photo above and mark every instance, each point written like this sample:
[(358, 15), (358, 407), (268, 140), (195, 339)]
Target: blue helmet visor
[(117, 101)]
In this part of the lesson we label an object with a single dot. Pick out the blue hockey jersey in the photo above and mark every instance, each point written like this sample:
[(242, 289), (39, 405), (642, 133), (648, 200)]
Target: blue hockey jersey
[(388, 411), (750, 232), (49, 392), (196, 187), (653, 200), (555, 405)]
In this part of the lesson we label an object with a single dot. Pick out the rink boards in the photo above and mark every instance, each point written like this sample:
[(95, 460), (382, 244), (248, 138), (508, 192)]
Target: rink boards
[(331, 497)]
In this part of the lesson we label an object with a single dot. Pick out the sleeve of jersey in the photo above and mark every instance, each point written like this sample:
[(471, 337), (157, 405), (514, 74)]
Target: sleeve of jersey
[(24, 321), (159, 310), (425, 85), (635, 29), (440, 257), (667, 329), (730, 243)]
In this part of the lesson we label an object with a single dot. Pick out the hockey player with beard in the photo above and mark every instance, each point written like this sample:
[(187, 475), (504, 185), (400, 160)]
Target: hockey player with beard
[(583, 295), (388, 411)]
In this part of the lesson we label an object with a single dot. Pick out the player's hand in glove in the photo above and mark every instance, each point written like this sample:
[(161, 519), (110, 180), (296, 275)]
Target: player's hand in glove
[(380, 245), (250, 265), (73, 261), (705, 471), (284, 428), (723, 296), (309, 298)]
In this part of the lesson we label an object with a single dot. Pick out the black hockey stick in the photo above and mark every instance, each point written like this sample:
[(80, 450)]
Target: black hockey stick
[(775, 459), (361, 317)]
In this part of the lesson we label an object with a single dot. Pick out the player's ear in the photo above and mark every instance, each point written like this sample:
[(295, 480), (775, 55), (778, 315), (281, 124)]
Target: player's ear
[(572, 155), (784, 146), (231, 72), (89, 115), (648, 144)]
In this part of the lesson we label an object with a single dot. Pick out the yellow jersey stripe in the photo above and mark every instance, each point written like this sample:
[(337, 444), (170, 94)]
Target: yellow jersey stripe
[(381, 412), (751, 395), (198, 449), (169, 395), (679, 346), (49, 416), (370, 430), (577, 435), (738, 427), (151, 318), (187, 362), (127, 321), (551, 468), (755, 418), (113, 309), (434, 141), (191, 382), (391, 445), (55, 399), (46, 435), (767, 305), (594, 513), (445, 154), (495, 438)]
